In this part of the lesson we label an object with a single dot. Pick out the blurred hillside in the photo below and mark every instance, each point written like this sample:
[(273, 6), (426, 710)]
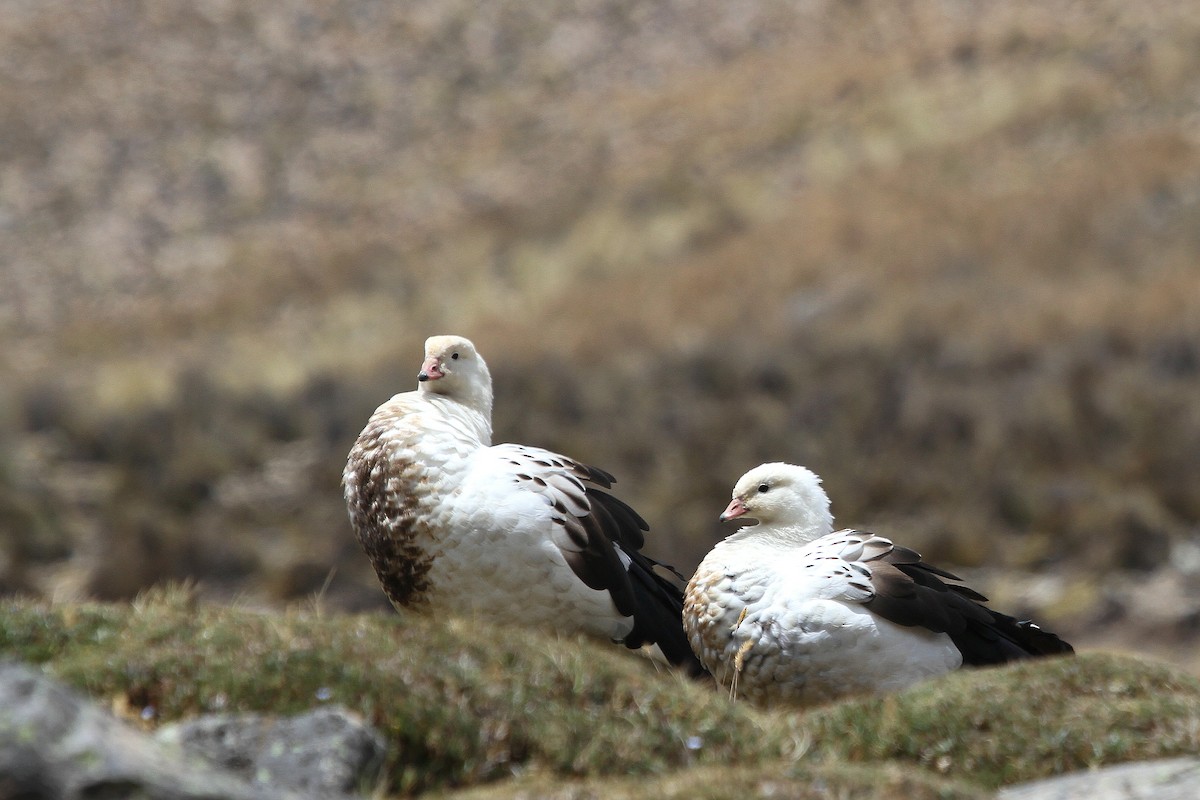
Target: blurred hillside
[(945, 253)]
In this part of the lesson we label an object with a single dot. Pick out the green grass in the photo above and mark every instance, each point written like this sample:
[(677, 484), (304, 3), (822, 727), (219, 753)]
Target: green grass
[(781, 779), (1026, 721), (501, 712), (458, 704)]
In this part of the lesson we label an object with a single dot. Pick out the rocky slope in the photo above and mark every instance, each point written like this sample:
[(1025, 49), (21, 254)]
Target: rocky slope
[(944, 254)]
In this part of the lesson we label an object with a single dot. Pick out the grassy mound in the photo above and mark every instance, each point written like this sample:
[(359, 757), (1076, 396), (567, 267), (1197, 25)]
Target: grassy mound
[(1025, 721), (508, 713), (459, 704)]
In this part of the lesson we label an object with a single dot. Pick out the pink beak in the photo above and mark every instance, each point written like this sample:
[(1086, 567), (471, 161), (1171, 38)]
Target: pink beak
[(734, 510), (431, 370)]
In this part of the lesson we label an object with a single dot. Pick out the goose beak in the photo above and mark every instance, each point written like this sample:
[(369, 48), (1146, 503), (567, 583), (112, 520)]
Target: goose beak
[(734, 510), (431, 370)]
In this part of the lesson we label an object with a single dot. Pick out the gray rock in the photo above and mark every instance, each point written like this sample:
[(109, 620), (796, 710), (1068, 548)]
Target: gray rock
[(55, 744), (326, 752), (1168, 779)]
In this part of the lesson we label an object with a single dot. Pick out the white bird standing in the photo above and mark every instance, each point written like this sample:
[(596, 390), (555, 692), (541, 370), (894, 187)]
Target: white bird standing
[(788, 610), (506, 533)]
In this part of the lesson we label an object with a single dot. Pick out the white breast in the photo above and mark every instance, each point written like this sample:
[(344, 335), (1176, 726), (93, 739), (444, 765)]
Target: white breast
[(497, 560), (776, 622)]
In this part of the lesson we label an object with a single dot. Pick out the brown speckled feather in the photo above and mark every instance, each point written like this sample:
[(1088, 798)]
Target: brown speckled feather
[(382, 499)]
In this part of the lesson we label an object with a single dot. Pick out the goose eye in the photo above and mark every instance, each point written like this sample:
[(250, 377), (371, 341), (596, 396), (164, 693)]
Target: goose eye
[(454, 356), (762, 487)]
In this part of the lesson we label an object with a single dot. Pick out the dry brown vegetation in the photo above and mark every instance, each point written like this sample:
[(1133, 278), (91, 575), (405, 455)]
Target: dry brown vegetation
[(946, 254)]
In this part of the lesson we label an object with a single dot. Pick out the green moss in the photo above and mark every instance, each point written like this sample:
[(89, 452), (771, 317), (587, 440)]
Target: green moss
[(463, 705), (1025, 721), (852, 782), (458, 704)]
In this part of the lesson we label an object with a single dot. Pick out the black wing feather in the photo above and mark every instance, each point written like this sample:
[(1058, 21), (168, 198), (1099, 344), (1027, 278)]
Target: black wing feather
[(911, 592), (602, 546)]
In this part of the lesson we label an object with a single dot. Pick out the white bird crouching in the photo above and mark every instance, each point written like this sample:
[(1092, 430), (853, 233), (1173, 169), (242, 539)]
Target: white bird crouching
[(788, 610), (506, 533)]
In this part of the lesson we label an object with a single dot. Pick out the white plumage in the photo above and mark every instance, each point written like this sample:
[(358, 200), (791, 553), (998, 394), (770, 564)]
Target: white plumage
[(506, 533), (788, 610)]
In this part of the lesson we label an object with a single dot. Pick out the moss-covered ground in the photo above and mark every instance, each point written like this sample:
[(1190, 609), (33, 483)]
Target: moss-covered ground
[(490, 713)]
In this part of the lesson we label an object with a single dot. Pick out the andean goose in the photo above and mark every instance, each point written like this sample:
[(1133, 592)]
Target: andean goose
[(787, 610), (506, 533)]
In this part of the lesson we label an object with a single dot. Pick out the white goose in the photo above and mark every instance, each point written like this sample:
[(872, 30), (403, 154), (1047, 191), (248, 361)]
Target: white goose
[(788, 610), (505, 533)]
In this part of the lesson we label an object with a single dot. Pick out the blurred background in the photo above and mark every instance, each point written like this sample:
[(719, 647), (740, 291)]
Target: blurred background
[(946, 253)]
